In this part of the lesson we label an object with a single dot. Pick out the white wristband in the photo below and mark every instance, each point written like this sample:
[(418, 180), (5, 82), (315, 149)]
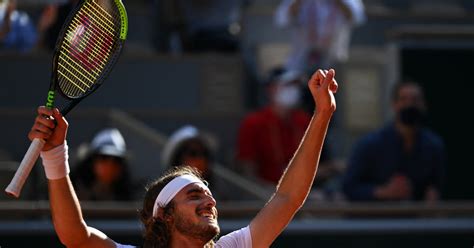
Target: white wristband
[(55, 162)]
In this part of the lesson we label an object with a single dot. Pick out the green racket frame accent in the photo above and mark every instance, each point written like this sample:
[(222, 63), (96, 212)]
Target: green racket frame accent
[(123, 31), (50, 99), (123, 19)]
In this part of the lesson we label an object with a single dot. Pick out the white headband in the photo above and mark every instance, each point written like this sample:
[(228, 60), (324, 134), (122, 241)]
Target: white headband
[(172, 188)]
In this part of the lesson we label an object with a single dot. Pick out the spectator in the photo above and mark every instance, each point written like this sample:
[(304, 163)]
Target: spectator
[(103, 173), (188, 146), (17, 32), (268, 137), (51, 22), (401, 161), (322, 30)]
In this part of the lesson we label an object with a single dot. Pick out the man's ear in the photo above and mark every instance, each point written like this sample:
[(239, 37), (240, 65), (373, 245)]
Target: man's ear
[(162, 216)]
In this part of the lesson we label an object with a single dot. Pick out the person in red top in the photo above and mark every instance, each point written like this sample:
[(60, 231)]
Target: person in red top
[(269, 137)]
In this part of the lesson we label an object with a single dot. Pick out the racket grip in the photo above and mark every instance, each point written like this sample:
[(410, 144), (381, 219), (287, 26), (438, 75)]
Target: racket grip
[(29, 160)]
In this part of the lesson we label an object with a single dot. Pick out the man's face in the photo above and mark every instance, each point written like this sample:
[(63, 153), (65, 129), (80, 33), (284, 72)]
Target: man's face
[(286, 95), (195, 154), (107, 169), (195, 213), (409, 106), (409, 96)]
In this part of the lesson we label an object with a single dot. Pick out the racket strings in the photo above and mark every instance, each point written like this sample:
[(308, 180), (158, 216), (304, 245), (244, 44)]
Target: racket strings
[(95, 2), (98, 30), (98, 13), (91, 75), (98, 37), (84, 45), (115, 15), (87, 48), (86, 61)]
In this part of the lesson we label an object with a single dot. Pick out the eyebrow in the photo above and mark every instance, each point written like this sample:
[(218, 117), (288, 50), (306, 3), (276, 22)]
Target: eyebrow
[(195, 190)]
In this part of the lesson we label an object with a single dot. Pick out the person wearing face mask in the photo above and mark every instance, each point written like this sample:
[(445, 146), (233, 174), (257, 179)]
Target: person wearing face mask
[(268, 137), (403, 160)]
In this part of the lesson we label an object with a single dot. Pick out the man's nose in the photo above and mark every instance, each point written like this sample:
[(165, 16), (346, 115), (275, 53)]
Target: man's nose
[(210, 201)]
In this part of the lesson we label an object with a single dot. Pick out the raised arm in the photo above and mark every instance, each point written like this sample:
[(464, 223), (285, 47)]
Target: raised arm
[(65, 208), (297, 179)]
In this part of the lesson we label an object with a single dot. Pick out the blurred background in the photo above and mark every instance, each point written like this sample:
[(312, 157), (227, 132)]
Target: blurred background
[(209, 83)]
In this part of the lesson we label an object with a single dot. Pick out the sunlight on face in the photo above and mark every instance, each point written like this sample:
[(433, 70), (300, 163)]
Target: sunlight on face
[(195, 213)]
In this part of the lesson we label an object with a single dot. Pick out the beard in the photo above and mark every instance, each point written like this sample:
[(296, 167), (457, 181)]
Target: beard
[(201, 231)]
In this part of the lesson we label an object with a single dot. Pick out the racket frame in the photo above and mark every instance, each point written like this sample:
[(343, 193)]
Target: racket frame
[(28, 161)]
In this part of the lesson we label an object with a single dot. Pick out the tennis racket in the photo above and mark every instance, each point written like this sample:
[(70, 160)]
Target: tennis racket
[(88, 47)]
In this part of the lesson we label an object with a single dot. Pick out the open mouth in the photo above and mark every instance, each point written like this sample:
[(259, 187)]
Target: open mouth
[(207, 214)]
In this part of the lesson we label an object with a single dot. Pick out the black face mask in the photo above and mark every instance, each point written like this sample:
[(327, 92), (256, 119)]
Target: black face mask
[(411, 116)]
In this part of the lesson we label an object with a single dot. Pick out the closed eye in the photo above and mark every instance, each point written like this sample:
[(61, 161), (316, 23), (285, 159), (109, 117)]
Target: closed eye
[(194, 197), (197, 193)]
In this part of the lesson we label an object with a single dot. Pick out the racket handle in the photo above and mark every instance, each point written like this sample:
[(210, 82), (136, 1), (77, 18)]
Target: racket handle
[(29, 160)]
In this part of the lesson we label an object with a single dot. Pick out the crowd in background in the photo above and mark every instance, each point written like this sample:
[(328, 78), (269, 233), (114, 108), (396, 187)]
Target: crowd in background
[(401, 161)]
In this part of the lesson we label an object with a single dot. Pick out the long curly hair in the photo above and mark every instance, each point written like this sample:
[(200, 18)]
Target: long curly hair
[(157, 232)]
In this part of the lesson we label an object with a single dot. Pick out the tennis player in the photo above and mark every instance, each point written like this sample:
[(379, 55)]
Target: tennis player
[(179, 209)]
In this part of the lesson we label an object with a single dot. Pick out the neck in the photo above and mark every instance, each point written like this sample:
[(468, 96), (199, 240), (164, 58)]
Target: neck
[(408, 134), (180, 240), (280, 112)]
